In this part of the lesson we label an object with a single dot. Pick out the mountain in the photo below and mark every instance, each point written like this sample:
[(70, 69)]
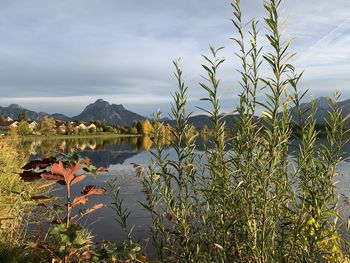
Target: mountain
[(99, 110), (202, 120), (110, 113), (117, 115), (14, 110), (322, 106), (59, 116)]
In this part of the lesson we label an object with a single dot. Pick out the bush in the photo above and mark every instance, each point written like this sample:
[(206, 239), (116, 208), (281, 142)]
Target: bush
[(264, 195)]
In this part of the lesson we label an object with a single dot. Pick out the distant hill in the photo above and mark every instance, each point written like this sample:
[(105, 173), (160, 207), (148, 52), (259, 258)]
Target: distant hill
[(322, 107), (117, 115), (99, 110), (59, 116), (14, 110), (321, 115), (202, 120), (110, 113)]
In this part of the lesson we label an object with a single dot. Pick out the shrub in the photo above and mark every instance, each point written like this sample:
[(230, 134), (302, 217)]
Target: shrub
[(264, 195)]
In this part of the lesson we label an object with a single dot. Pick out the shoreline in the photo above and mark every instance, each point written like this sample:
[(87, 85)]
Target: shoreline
[(61, 137)]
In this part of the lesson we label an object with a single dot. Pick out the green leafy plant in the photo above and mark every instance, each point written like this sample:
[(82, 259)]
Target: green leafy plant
[(266, 192), (128, 250)]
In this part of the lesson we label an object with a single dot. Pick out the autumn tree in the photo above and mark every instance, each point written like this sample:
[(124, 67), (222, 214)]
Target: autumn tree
[(23, 128), (69, 128), (147, 128), (137, 125), (146, 143), (47, 126), (133, 130)]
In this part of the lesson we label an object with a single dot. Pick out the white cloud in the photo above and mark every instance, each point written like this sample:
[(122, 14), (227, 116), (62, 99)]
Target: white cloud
[(90, 48)]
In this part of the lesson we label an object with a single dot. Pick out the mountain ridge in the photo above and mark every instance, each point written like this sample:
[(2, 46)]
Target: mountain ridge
[(322, 106), (117, 114), (114, 114), (102, 110)]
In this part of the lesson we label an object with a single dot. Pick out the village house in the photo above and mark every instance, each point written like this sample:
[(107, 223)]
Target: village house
[(80, 126), (91, 126), (61, 126), (33, 125), (8, 118), (7, 125)]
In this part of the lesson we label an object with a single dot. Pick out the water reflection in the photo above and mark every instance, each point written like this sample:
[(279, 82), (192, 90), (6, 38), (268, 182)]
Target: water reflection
[(51, 147), (117, 154)]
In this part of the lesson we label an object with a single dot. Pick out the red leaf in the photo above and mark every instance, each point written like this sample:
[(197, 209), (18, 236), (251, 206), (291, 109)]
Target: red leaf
[(87, 188), (102, 169), (57, 168), (68, 173), (78, 179), (41, 164), (74, 169), (29, 176), (93, 190), (80, 200), (92, 209), (51, 177)]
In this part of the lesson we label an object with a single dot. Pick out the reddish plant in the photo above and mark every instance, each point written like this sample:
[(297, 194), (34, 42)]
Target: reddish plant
[(68, 171)]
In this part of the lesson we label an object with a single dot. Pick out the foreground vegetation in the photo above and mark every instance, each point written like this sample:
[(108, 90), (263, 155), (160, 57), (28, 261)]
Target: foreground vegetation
[(246, 199), (250, 201), (16, 201)]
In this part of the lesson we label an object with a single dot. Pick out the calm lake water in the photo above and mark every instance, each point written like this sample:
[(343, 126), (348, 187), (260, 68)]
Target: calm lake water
[(117, 154)]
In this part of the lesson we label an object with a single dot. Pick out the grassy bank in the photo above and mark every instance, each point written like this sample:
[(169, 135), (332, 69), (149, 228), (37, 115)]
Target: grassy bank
[(15, 198)]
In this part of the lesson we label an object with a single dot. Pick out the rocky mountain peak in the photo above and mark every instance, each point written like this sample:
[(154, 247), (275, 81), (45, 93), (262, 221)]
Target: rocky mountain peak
[(14, 106), (110, 113), (101, 101)]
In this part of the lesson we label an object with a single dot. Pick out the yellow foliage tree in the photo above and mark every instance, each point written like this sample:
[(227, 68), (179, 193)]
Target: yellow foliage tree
[(147, 128), (47, 126)]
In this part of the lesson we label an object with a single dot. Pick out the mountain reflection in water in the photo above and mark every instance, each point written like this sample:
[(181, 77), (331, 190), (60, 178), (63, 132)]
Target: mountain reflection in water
[(116, 154)]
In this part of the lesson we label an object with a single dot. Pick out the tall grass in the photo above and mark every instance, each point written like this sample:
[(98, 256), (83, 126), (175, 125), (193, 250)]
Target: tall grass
[(17, 209), (265, 195), (15, 202)]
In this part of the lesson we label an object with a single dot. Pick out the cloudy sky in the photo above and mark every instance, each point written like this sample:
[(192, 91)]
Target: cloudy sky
[(58, 56)]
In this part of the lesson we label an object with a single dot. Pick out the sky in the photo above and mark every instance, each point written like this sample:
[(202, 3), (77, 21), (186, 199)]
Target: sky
[(59, 56)]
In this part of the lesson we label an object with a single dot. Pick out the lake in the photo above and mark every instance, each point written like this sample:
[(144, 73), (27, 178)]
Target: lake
[(117, 154)]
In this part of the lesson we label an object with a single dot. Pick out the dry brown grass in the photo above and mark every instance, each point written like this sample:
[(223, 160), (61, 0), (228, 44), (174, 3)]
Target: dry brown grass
[(14, 193)]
